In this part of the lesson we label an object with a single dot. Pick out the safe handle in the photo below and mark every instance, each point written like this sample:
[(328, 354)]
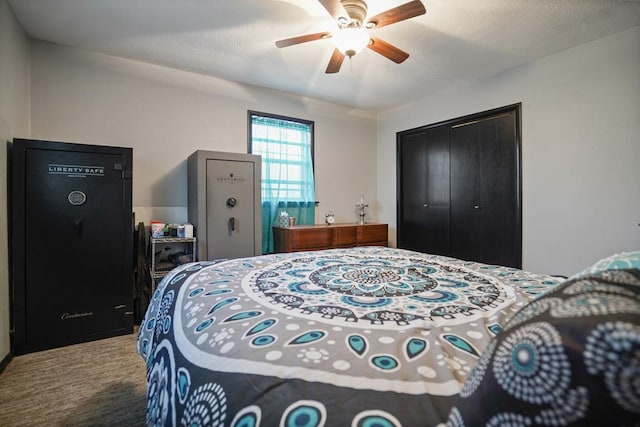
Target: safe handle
[(78, 226), (232, 223)]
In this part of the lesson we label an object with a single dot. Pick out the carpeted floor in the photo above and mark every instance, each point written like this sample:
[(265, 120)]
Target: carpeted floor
[(100, 383)]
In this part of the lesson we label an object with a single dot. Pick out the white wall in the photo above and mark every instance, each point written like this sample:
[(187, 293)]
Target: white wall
[(165, 115), (14, 122), (580, 149)]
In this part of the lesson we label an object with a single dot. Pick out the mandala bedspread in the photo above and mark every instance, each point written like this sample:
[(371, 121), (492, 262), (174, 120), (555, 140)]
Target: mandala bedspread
[(364, 336)]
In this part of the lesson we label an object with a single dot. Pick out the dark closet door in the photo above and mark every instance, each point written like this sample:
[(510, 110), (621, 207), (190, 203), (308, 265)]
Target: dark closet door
[(458, 186), (423, 223), (485, 213)]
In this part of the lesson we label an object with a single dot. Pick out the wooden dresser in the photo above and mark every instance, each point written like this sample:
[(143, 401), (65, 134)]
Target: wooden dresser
[(315, 237)]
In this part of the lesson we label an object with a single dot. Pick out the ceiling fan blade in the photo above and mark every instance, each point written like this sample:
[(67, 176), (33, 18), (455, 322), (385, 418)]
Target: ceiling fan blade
[(335, 8), (387, 50), (303, 39), (397, 14), (335, 62)]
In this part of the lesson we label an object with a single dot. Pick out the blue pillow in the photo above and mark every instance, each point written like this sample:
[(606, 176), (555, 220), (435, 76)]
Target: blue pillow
[(614, 262), (571, 357)]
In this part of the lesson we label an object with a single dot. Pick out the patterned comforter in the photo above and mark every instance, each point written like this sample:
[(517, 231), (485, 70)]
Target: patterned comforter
[(345, 337)]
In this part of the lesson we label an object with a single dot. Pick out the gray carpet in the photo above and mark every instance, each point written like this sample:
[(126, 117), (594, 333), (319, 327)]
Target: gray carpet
[(100, 383)]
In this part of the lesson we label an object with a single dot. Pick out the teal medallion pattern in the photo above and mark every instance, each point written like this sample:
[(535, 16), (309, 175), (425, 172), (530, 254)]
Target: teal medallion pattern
[(385, 291), (571, 357), (372, 322)]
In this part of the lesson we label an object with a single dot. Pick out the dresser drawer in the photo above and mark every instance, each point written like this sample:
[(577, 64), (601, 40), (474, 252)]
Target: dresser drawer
[(372, 234), (313, 238), (344, 236)]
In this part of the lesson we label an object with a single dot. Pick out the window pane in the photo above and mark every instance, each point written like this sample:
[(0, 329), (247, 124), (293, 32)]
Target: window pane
[(287, 165)]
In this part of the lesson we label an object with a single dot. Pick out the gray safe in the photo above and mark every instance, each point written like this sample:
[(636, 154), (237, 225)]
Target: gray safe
[(225, 204)]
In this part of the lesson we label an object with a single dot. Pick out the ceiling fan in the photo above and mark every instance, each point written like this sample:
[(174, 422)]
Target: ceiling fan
[(353, 23)]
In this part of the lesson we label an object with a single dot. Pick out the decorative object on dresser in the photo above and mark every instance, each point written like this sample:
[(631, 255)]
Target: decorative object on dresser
[(329, 218), (283, 219), (362, 210), (316, 237)]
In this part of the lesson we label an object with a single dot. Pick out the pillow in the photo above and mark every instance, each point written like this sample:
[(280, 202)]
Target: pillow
[(569, 357), (614, 262)]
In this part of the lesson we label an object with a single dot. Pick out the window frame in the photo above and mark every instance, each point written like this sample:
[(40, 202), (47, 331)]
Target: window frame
[(310, 123)]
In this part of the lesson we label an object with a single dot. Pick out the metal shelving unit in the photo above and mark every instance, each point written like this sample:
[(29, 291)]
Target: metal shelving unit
[(161, 248)]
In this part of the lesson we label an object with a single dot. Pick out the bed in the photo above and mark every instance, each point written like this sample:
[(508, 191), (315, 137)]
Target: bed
[(367, 336)]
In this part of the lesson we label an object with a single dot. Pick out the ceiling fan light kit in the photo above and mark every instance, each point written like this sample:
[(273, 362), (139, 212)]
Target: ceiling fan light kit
[(352, 36), (351, 41)]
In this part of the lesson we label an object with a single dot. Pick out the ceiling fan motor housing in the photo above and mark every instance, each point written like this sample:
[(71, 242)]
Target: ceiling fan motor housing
[(357, 10)]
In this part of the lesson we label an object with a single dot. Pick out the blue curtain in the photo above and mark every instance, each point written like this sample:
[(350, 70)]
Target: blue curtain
[(287, 172)]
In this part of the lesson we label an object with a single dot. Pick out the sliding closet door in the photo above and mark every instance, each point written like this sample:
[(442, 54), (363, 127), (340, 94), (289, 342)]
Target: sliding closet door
[(485, 209), (423, 162)]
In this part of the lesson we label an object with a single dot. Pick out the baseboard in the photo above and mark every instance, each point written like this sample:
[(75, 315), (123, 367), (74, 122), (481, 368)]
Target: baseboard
[(5, 361)]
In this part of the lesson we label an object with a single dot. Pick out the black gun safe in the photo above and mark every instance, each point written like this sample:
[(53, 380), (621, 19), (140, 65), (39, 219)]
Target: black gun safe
[(71, 243)]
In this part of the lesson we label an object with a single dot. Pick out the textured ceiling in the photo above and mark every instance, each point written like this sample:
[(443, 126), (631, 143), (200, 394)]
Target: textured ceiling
[(456, 42)]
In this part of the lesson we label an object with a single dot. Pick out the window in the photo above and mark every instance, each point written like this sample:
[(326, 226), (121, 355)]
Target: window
[(286, 147)]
